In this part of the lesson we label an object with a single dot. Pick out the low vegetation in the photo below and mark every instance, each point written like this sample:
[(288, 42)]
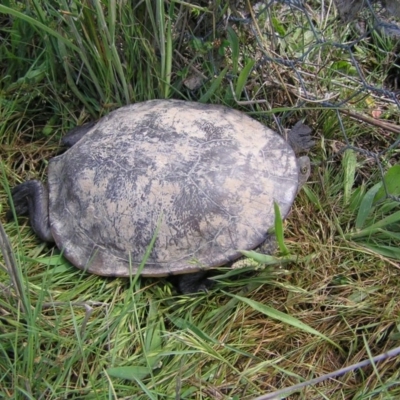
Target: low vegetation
[(331, 302)]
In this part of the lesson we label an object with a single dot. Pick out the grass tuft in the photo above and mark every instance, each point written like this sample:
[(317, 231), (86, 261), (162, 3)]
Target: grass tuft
[(329, 302)]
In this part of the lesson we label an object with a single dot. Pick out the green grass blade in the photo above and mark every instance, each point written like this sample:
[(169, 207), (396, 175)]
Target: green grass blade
[(386, 251), (112, 55), (284, 318), (349, 163), (366, 205), (153, 337), (149, 248), (392, 183), (234, 43), (39, 25), (214, 86), (168, 55), (10, 261), (243, 77), (117, 59), (374, 228), (67, 62), (278, 230), (13, 269), (71, 82), (390, 219), (312, 197), (132, 373), (160, 32), (389, 234)]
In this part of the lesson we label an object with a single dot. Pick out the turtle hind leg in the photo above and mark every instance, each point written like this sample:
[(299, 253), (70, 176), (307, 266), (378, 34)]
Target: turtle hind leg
[(193, 283), (269, 246), (32, 198)]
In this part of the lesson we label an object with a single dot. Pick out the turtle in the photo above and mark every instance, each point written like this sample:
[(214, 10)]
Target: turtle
[(197, 181)]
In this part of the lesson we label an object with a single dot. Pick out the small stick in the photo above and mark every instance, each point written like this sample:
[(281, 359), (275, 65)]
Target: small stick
[(244, 102), (278, 394), (11, 266), (385, 125)]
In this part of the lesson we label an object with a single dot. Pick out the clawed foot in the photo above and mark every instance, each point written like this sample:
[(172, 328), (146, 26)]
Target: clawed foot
[(299, 138), (20, 195), (31, 198)]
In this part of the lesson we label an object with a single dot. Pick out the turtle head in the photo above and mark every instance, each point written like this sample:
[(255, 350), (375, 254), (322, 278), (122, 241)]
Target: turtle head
[(304, 166)]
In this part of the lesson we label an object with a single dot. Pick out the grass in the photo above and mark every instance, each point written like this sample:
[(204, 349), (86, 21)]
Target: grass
[(65, 334)]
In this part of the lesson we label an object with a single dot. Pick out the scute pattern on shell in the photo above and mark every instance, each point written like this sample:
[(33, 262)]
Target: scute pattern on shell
[(202, 178)]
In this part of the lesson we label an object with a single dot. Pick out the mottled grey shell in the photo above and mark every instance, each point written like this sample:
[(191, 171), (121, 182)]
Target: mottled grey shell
[(201, 179)]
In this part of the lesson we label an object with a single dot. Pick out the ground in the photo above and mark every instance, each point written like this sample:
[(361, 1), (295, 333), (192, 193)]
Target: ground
[(329, 301)]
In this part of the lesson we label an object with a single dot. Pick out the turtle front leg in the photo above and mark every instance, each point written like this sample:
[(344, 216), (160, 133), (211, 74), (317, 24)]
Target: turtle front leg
[(299, 138), (31, 198)]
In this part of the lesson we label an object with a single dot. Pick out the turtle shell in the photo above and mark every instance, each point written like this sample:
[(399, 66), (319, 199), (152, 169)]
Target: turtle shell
[(199, 179)]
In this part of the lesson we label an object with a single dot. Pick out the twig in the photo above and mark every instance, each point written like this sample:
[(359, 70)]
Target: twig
[(278, 394), (11, 265), (385, 125), (244, 102)]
